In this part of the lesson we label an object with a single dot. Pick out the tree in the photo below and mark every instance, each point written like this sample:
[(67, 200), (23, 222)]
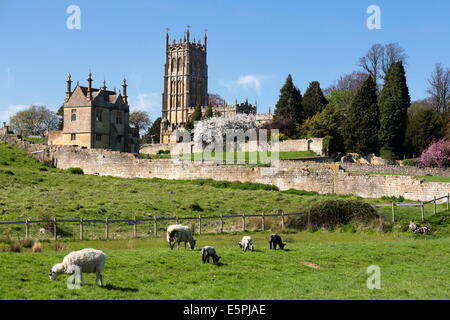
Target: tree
[(330, 121), (215, 99), (436, 155), (36, 120), (289, 105), (313, 101), (380, 58), (60, 114), (394, 103), (196, 116), (153, 133), (208, 130), (362, 123), (283, 125), (208, 113), (439, 88), (140, 119), (350, 82), (424, 126)]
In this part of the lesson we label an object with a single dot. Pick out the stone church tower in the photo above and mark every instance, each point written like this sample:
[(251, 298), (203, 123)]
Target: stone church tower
[(185, 83)]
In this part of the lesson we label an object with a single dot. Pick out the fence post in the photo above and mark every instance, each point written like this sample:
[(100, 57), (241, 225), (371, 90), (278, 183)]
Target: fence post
[(422, 211), (134, 227), (448, 201), (263, 222), (243, 222), (27, 231), (221, 223), (155, 230), (81, 229), (434, 208), (177, 219), (282, 220), (106, 229), (199, 224), (393, 212), (309, 219), (55, 236)]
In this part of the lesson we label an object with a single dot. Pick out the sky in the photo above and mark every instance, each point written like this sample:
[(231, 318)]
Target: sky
[(252, 45)]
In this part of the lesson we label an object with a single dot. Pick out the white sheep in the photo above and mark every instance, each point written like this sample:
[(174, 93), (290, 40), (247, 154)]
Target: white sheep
[(246, 243), (418, 229), (86, 260), (207, 252), (177, 233)]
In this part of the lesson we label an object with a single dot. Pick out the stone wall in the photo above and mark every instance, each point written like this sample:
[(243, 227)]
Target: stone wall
[(323, 178), (364, 168)]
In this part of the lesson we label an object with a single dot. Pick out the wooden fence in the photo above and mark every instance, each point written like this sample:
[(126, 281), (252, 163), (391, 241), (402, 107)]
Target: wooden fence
[(199, 220)]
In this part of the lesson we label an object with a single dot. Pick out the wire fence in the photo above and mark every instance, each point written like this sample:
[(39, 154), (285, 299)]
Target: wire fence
[(106, 229)]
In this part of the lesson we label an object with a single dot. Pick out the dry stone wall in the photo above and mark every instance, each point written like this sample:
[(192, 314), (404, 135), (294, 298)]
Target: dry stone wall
[(323, 178)]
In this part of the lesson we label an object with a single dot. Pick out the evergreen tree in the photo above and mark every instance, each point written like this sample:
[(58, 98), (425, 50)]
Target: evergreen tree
[(154, 131), (394, 103), (362, 123), (196, 116), (289, 105), (313, 101), (208, 113), (423, 127)]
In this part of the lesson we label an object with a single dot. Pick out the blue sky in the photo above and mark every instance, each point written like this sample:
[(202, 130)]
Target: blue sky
[(252, 45)]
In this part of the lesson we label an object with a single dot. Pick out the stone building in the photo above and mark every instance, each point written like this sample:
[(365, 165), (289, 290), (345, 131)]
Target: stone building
[(96, 118), (186, 86)]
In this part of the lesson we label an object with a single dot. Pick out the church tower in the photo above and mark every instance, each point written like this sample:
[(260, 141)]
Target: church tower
[(185, 83)]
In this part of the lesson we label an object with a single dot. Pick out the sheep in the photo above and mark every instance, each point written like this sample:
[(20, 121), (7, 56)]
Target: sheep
[(177, 233), (207, 252), (86, 260), (246, 243), (274, 241), (418, 229)]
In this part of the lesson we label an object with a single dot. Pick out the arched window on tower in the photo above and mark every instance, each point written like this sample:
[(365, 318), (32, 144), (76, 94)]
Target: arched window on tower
[(180, 66)]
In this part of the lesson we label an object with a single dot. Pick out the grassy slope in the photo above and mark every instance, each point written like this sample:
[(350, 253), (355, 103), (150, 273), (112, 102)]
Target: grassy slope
[(148, 269), (31, 193)]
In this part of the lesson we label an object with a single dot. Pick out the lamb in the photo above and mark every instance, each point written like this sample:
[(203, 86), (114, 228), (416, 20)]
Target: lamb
[(207, 252), (418, 229), (177, 233), (86, 260), (276, 240), (246, 243)]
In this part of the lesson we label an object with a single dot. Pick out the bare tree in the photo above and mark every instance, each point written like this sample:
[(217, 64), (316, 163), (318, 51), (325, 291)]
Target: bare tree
[(392, 54), (439, 88), (140, 120), (215, 99), (372, 61), (350, 82), (380, 58)]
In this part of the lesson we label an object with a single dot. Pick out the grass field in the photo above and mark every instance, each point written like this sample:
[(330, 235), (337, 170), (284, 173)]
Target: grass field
[(411, 268), (29, 189)]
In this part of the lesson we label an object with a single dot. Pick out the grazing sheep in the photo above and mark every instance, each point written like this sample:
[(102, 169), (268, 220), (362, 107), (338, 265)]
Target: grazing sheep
[(86, 260), (276, 240), (207, 252), (246, 243), (177, 233), (418, 229)]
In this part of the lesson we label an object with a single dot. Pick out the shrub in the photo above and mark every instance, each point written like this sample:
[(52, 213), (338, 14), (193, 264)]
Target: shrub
[(37, 247), (300, 192), (75, 171), (436, 155), (196, 207), (58, 246), (163, 151), (332, 213), (14, 247), (410, 162), (27, 242)]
